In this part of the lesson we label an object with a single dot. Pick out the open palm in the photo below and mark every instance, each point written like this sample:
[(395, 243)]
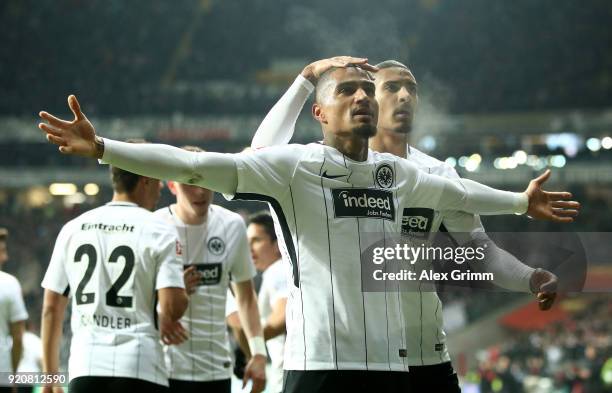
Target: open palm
[(73, 137), (553, 206)]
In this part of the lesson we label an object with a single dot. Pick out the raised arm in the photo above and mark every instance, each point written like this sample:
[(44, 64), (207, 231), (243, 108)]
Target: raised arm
[(278, 126), (214, 171)]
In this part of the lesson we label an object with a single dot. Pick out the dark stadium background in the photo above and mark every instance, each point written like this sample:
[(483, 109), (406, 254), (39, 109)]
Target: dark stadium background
[(507, 89)]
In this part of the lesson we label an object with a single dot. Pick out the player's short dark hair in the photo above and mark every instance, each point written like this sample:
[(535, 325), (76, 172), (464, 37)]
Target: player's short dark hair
[(124, 181), (325, 79), (391, 64), (3, 234), (264, 219)]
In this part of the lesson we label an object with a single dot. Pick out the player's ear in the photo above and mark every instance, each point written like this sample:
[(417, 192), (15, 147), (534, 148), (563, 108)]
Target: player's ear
[(318, 114), (172, 186)]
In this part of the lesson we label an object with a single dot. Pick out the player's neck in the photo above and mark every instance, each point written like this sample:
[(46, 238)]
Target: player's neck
[(354, 147), (268, 264), (121, 197), (387, 141), (188, 216)]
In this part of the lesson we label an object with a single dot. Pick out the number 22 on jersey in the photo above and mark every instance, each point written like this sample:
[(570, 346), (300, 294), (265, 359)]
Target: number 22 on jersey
[(87, 253)]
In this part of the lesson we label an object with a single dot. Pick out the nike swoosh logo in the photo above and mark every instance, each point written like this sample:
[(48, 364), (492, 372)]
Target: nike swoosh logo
[(325, 175)]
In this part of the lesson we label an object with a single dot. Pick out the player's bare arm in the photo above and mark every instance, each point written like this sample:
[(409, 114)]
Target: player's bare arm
[(17, 329), (233, 321), (172, 303), (54, 307), (275, 325), (246, 300)]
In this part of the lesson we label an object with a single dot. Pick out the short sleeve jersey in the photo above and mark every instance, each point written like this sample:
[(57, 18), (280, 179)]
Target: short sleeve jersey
[(219, 250), (110, 261), (274, 287), (12, 309)]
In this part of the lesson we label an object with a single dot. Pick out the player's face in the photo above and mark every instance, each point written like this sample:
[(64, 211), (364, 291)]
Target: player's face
[(396, 93), (264, 250), (194, 199), (349, 107), (3, 252)]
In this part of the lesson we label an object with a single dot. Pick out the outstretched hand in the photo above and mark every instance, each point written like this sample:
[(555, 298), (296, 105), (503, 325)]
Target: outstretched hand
[(313, 71), (73, 137), (552, 206)]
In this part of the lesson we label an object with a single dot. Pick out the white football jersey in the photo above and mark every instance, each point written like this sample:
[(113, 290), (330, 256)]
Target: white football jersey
[(111, 260), (219, 249), (326, 204), (12, 309), (427, 340), (274, 287), (425, 334), (31, 361)]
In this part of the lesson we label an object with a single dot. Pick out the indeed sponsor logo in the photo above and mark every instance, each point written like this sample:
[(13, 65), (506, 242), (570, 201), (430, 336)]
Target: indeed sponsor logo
[(210, 273), (417, 221), (363, 202)]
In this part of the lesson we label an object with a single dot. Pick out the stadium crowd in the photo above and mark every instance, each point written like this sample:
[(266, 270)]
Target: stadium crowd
[(572, 354)]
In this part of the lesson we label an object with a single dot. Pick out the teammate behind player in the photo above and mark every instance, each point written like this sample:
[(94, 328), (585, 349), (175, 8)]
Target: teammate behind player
[(273, 292), (114, 262), (13, 315), (213, 246)]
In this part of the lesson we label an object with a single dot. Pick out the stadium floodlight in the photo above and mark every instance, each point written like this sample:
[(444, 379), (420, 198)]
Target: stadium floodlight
[(532, 160), (91, 189), (471, 165), (520, 156), (557, 161), (511, 163), (62, 189), (74, 199), (593, 144), (606, 143), (473, 162), (451, 161)]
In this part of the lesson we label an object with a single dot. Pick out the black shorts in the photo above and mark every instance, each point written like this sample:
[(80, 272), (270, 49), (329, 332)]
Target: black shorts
[(440, 378), (221, 386), (333, 381), (114, 385)]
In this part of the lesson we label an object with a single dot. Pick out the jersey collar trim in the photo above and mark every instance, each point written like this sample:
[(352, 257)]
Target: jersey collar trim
[(125, 204)]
